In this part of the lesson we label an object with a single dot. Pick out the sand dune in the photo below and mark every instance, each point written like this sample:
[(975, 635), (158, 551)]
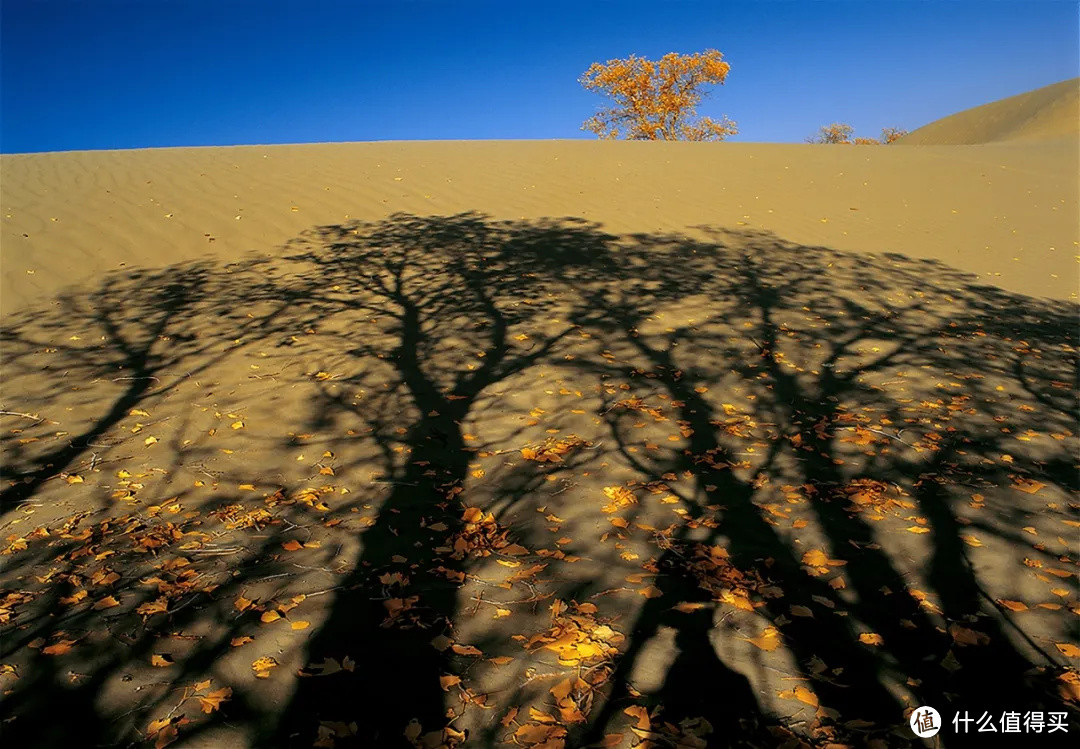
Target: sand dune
[(1045, 113), (1003, 212), (289, 411)]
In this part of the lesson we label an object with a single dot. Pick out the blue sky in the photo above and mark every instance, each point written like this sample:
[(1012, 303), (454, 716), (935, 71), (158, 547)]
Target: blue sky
[(95, 74)]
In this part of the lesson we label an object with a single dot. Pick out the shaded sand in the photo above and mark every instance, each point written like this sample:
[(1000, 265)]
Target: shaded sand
[(793, 474), (1001, 211), (1048, 113), (582, 444)]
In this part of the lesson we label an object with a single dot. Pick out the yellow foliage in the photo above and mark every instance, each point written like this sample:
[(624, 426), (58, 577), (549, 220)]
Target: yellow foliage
[(657, 99)]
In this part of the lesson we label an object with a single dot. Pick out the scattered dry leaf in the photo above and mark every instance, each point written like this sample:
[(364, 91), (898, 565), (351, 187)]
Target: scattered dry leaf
[(1013, 605), (1026, 485), (687, 608), (263, 666), (800, 693), (64, 646), (651, 591), (769, 639), (212, 701)]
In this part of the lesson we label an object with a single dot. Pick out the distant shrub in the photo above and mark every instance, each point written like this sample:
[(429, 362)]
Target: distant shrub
[(891, 134), (835, 133), (840, 133)]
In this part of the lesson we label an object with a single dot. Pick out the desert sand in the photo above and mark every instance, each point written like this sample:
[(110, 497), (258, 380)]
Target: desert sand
[(1048, 113), (376, 444), (1002, 210)]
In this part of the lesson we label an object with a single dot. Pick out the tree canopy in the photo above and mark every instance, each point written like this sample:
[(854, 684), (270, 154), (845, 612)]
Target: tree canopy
[(657, 99)]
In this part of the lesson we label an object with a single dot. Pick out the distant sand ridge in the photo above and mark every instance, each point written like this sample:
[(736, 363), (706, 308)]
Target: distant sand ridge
[(1004, 211), (1045, 113)]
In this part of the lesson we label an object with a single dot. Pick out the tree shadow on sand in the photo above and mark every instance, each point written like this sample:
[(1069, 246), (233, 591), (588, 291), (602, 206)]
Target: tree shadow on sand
[(789, 327), (870, 457), (452, 294)]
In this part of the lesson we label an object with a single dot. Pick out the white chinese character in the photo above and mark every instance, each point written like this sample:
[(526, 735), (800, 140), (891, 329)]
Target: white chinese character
[(1057, 723), (1034, 721), (986, 724), (1010, 722), (957, 720)]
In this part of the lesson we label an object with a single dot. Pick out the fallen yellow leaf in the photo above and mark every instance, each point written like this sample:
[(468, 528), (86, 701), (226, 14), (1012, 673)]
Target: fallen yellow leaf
[(64, 646), (768, 640), (159, 606), (212, 701), (1069, 688), (1028, 486), (1067, 649), (263, 666), (800, 693), (687, 608), (1014, 605), (964, 636), (73, 598)]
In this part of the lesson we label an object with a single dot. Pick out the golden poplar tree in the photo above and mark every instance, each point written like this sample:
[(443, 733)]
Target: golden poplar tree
[(657, 99)]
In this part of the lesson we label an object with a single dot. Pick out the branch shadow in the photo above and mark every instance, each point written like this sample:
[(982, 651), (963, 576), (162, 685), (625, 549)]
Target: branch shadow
[(849, 541), (787, 322)]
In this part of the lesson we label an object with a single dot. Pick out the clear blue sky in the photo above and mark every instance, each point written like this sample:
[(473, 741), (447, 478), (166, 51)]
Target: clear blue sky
[(97, 74)]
